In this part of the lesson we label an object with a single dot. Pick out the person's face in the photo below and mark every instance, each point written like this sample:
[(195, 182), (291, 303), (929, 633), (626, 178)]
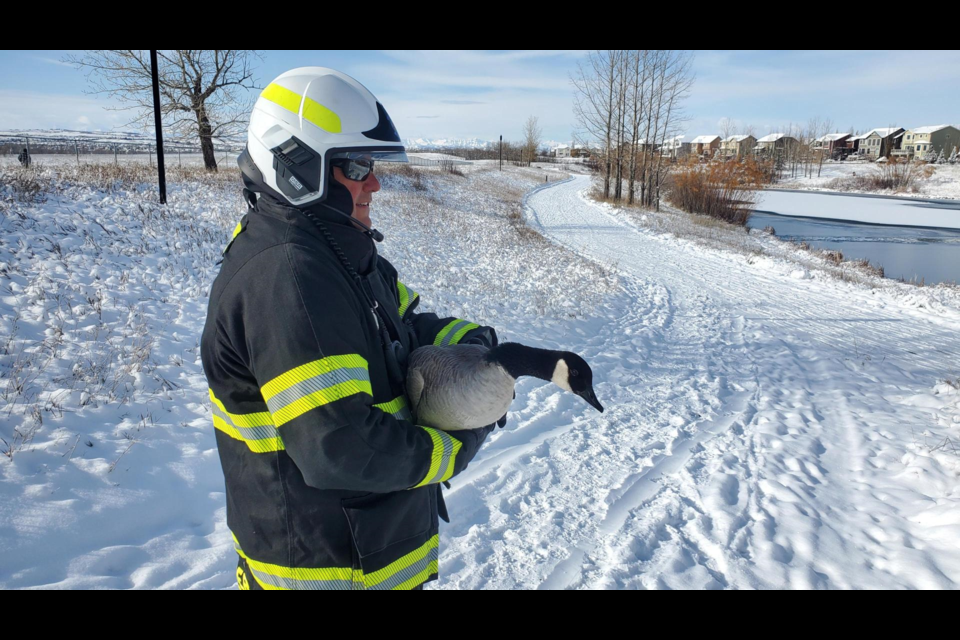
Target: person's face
[(362, 192)]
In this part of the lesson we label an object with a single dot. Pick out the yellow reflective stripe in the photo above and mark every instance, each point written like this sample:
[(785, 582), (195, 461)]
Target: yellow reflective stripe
[(236, 232), (289, 100), (256, 430), (318, 399), (277, 577), (406, 297), (321, 116), (453, 332), (405, 572), (459, 334), (397, 407), (310, 370), (315, 384), (445, 449), (409, 570)]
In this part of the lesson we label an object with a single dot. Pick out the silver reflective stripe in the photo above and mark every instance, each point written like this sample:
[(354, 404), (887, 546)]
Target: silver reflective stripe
[(403, 414), (265, 432), (316, 383), (290, 583), (453, 331), (445, 460), (403, 575)]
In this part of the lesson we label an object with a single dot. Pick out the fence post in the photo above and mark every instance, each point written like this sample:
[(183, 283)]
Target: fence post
[(76, 145), (115, 161), (150, 151)]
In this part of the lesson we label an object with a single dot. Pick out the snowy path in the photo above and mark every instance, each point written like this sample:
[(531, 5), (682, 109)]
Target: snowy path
[(761, 431)]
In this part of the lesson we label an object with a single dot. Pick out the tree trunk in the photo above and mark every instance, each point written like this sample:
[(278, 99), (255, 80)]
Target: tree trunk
[(206, 139)]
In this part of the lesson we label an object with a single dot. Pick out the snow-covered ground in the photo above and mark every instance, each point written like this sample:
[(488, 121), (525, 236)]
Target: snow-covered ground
[(943, 184), (763, 431), (764, 428)]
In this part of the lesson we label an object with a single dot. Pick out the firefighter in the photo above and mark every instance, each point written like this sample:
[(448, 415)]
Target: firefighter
[(329, 484)]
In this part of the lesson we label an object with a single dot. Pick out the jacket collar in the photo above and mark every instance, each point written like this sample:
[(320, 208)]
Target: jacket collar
[(359, 248)]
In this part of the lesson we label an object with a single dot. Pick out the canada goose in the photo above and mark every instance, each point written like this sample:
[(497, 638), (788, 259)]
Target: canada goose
[(469, 386)]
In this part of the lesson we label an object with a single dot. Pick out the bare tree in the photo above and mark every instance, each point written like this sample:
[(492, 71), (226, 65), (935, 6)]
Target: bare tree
[(629, 103), (203, 93), (593, 104), (532, 135)]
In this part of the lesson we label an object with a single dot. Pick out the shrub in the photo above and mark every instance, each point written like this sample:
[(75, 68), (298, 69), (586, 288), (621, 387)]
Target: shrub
[(722, 190)]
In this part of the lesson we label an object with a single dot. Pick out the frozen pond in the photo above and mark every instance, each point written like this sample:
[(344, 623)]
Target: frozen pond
[(930, 255)]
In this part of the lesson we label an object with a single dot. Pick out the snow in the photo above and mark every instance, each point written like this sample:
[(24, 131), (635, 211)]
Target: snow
[(704, 139), (870, 210), (831, 137), (765, 428), (943, 184), (930, 129)]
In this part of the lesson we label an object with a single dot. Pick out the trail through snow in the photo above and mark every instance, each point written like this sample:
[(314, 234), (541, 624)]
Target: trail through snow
[(762, 431)]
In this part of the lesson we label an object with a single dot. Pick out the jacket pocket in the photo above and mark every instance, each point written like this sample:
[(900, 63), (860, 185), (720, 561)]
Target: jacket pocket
[(381, 520)]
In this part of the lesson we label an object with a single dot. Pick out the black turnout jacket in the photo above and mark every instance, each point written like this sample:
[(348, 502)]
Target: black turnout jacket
[(329, 485)]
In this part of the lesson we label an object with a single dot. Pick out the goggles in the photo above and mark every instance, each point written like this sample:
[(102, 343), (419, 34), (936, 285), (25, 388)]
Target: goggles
[(357, 170), (357, 165)]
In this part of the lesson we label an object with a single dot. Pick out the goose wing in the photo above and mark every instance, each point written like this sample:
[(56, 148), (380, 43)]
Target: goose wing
[(414, 388)]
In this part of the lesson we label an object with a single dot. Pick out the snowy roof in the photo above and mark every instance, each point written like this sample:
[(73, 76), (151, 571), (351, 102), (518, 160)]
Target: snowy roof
[(738, 138), (832, 137), (932, 129), (883, 133), (561, 146), (773, 137), (704, 139)]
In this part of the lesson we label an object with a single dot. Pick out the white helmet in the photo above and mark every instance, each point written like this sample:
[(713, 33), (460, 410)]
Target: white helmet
[(304, 119)]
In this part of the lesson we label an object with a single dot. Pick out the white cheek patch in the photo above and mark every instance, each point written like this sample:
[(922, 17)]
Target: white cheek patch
[(561, 375)]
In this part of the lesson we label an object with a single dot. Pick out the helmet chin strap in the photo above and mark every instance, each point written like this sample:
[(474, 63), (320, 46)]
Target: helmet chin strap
[(373, 233)]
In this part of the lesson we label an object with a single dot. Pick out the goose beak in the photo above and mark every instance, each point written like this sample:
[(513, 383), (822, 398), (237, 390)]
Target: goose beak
[(591, 399)]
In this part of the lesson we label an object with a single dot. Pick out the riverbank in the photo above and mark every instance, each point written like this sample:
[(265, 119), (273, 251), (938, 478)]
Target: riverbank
[(943, 184)]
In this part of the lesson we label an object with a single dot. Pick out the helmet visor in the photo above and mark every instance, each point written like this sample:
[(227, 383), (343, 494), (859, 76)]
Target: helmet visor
[(393, 155)]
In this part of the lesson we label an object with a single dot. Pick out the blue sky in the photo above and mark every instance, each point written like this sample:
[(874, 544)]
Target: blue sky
[(483, 94)]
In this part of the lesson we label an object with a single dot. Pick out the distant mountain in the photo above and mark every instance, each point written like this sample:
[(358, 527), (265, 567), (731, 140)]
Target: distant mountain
[(448, 143), (108, 138)]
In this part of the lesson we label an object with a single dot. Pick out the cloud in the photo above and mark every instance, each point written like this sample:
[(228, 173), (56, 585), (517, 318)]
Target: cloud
[(34, 110)]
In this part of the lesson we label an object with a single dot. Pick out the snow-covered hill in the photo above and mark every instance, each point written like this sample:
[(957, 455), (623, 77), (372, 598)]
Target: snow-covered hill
[(763, 428)]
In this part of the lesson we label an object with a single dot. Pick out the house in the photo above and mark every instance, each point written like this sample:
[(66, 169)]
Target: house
[(831, 144), (776, 144), (879, 143), (705, 145), (853, 143), (562, 151), (675, 147), (737, 146), (580, 152), (924, 141)]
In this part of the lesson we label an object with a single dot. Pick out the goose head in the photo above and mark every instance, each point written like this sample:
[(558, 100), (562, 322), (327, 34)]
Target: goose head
[(571, 372), (565, 369)]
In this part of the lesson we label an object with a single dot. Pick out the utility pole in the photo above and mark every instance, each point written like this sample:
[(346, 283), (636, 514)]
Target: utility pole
[(158, 126), (501, 153)]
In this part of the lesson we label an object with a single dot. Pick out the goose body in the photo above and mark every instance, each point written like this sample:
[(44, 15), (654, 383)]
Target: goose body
[(469, 386)]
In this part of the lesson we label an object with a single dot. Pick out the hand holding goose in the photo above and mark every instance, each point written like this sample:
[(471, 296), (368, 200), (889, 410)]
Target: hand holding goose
[(469, 386)]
